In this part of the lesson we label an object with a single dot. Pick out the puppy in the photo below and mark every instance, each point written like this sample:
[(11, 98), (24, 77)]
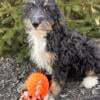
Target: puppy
[(62, 53)]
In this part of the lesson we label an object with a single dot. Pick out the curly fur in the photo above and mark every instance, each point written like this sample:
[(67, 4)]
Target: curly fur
[(75, 54)]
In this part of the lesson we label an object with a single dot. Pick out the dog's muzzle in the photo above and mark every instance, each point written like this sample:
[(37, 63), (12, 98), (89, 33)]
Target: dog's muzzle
[(44, 25)]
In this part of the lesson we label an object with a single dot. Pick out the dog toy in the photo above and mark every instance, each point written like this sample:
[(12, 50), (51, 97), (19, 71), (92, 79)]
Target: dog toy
[(37, 85)]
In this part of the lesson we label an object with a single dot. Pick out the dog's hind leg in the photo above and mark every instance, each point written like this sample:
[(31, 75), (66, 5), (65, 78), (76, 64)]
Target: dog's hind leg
[(90, 80)]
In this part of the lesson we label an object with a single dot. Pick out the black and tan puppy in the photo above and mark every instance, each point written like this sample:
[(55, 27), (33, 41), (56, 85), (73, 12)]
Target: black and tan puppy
[(58, 51)]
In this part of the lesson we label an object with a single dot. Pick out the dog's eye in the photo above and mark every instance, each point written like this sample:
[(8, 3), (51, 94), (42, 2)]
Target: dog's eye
[(31, 6), (46, 8)]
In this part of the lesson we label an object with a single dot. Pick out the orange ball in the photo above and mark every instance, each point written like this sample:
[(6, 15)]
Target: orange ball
[(37, 81)]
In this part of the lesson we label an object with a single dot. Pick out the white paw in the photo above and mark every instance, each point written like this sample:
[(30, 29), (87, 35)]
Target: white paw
[(90, 81)]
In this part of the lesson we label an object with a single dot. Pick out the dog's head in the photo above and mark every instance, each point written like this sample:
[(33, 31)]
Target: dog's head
[(40, 15)]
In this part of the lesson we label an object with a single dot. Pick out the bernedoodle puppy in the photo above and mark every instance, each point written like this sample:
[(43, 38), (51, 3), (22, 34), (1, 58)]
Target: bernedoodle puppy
[(62, 53)]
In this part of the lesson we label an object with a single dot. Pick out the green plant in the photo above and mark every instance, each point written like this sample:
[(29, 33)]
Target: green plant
[(12, 35), (80, 15)]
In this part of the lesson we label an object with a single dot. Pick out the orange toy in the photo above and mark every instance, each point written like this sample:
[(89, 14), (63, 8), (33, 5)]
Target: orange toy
[(37, 87)]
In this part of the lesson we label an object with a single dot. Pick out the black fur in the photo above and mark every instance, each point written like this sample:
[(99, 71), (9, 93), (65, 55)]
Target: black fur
[(75, 53)]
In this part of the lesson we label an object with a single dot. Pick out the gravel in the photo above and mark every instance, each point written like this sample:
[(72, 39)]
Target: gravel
[(12, 75)]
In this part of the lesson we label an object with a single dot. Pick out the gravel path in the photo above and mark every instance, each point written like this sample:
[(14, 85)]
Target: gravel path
[(12, 76)]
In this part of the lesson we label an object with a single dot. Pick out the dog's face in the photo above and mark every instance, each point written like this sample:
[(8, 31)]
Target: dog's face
[(39, 15)]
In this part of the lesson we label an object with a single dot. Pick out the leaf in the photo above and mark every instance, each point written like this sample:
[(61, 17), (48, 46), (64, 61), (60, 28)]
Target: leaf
[(1, 31), (76, 8), (93, 10), (97, 21), (8, 37), (7, 21)]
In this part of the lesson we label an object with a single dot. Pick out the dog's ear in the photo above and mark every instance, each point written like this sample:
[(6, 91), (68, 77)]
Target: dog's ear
[(60, 16), (57, 14), (61, 19)]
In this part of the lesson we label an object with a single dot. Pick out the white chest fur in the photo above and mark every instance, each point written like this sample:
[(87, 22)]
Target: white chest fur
[(38, 51)]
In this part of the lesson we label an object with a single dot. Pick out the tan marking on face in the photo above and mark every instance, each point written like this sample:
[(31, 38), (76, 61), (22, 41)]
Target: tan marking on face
[(39, 34), (45, 26)]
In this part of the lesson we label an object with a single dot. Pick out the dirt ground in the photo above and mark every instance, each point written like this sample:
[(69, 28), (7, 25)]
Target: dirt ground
[(12, 75)]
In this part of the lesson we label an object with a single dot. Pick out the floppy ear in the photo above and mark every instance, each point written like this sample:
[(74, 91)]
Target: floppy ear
[(60, 17), (57, 15)]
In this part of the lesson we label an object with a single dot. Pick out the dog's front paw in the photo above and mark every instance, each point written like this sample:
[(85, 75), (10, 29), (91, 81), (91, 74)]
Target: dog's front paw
[(49, 97), (90, 82)]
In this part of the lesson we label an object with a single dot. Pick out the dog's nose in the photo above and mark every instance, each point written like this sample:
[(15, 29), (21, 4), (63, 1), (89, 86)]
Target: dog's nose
[(35, 25)]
